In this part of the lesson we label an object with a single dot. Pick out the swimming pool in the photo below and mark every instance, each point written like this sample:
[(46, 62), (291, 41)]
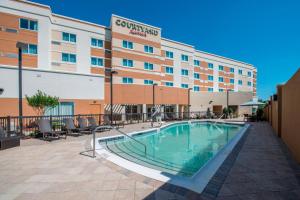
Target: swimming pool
[(178, 150)]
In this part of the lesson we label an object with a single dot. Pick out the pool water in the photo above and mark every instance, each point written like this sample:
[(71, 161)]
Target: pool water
[(179, 149)]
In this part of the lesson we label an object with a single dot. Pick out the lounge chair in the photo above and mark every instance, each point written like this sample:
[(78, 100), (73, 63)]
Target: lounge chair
[(71, 128), (46, 129), (92, 122), (116, 123), (83, 125)]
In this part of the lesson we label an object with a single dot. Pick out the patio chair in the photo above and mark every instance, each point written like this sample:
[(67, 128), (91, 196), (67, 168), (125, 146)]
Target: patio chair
[(71, 128), (83, 125), (46, 129), (106, 121), (92, 122)]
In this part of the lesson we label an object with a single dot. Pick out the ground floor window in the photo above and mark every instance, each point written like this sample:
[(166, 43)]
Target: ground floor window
[(64, 108)]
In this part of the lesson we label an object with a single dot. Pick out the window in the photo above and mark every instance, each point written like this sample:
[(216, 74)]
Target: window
[(210, 78), (97, 61), (240, 72), (96, 43), (221, 90), (210, 65), (148, 82), (197, 62), (127, 63), (169, 54), (232, 81), (221, 79), (127, 80), (67, 57), (249, 83), (249, 74), (169, 70), (210, 89), (148, 66), (184, 58), (126, 44), (196, 88), (69, 37), (183, 85), (169, 84), (184, 72), (148, 49), (28, 24), (63, 108), (221, 68), (240, 82), (31, 49), (196, 75), (232, 70)]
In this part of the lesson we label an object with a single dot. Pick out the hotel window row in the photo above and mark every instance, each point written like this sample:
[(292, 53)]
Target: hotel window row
[(127, 63), (96, 43), (31, 49), (69, 37), (68, 57), (148, 66), (97, 61), (184, 58), (28, 24), (184, 72), (169, 70)]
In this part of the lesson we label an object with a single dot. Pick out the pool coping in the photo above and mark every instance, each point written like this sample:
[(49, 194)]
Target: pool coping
[(198, 181)]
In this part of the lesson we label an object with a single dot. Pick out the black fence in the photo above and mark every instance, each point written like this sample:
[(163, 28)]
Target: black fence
[(30, 125)]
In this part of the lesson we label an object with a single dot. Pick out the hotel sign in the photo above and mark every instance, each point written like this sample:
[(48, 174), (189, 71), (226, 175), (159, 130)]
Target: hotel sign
[(136, 29)]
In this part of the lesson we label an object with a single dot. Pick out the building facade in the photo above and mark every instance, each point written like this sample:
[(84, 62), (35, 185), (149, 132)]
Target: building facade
[(71, 59)]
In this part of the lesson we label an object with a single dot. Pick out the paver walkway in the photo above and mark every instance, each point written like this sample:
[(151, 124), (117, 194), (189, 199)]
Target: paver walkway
[(263, 169), (42, 170)]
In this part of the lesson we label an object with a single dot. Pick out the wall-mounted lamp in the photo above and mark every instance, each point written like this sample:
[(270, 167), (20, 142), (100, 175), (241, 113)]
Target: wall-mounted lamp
[(1, 91)]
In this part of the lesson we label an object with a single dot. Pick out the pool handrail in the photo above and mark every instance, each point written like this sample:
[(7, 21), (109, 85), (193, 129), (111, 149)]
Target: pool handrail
[(145, 147)]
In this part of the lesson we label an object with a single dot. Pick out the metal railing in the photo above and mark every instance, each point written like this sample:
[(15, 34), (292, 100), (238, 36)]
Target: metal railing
[(132, 138), (30, 123)]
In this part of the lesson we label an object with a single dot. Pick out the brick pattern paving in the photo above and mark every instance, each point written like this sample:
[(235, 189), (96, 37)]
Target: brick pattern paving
[(260, 167)]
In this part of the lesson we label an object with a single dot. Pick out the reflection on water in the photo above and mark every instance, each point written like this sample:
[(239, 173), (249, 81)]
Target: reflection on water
[(181, 148)]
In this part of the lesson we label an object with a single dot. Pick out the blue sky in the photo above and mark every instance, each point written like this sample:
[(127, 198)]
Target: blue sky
[(265, 33)]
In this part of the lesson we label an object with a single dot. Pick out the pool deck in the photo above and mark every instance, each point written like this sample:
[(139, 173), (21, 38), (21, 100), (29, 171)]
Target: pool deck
[(260, 167)]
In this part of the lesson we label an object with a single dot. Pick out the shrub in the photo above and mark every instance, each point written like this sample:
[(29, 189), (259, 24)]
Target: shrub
[(40, 102)]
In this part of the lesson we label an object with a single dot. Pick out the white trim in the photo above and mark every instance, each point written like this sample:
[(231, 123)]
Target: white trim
[(49, 71)]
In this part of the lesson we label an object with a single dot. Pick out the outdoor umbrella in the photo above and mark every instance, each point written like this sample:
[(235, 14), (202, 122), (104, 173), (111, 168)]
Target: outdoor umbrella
[(252, 103)]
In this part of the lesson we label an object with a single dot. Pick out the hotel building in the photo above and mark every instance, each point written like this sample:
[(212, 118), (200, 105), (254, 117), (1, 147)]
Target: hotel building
[(71, 59)]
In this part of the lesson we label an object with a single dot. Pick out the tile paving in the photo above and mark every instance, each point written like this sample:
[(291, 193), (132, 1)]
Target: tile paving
[(260, 167)]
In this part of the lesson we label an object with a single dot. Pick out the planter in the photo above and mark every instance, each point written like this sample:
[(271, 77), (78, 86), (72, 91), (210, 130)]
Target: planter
[(9, 142)]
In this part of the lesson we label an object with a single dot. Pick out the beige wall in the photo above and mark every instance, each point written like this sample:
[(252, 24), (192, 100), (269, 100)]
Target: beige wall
[(283, 114), (274, 116), (200, 100), (290, 114)]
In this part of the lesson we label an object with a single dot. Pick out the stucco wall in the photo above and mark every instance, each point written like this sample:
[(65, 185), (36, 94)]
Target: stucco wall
[(290, 115), (275, 116), (200, 100)]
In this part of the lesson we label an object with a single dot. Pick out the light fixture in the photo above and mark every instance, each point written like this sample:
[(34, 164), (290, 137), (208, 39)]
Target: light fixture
[(1, 91)]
